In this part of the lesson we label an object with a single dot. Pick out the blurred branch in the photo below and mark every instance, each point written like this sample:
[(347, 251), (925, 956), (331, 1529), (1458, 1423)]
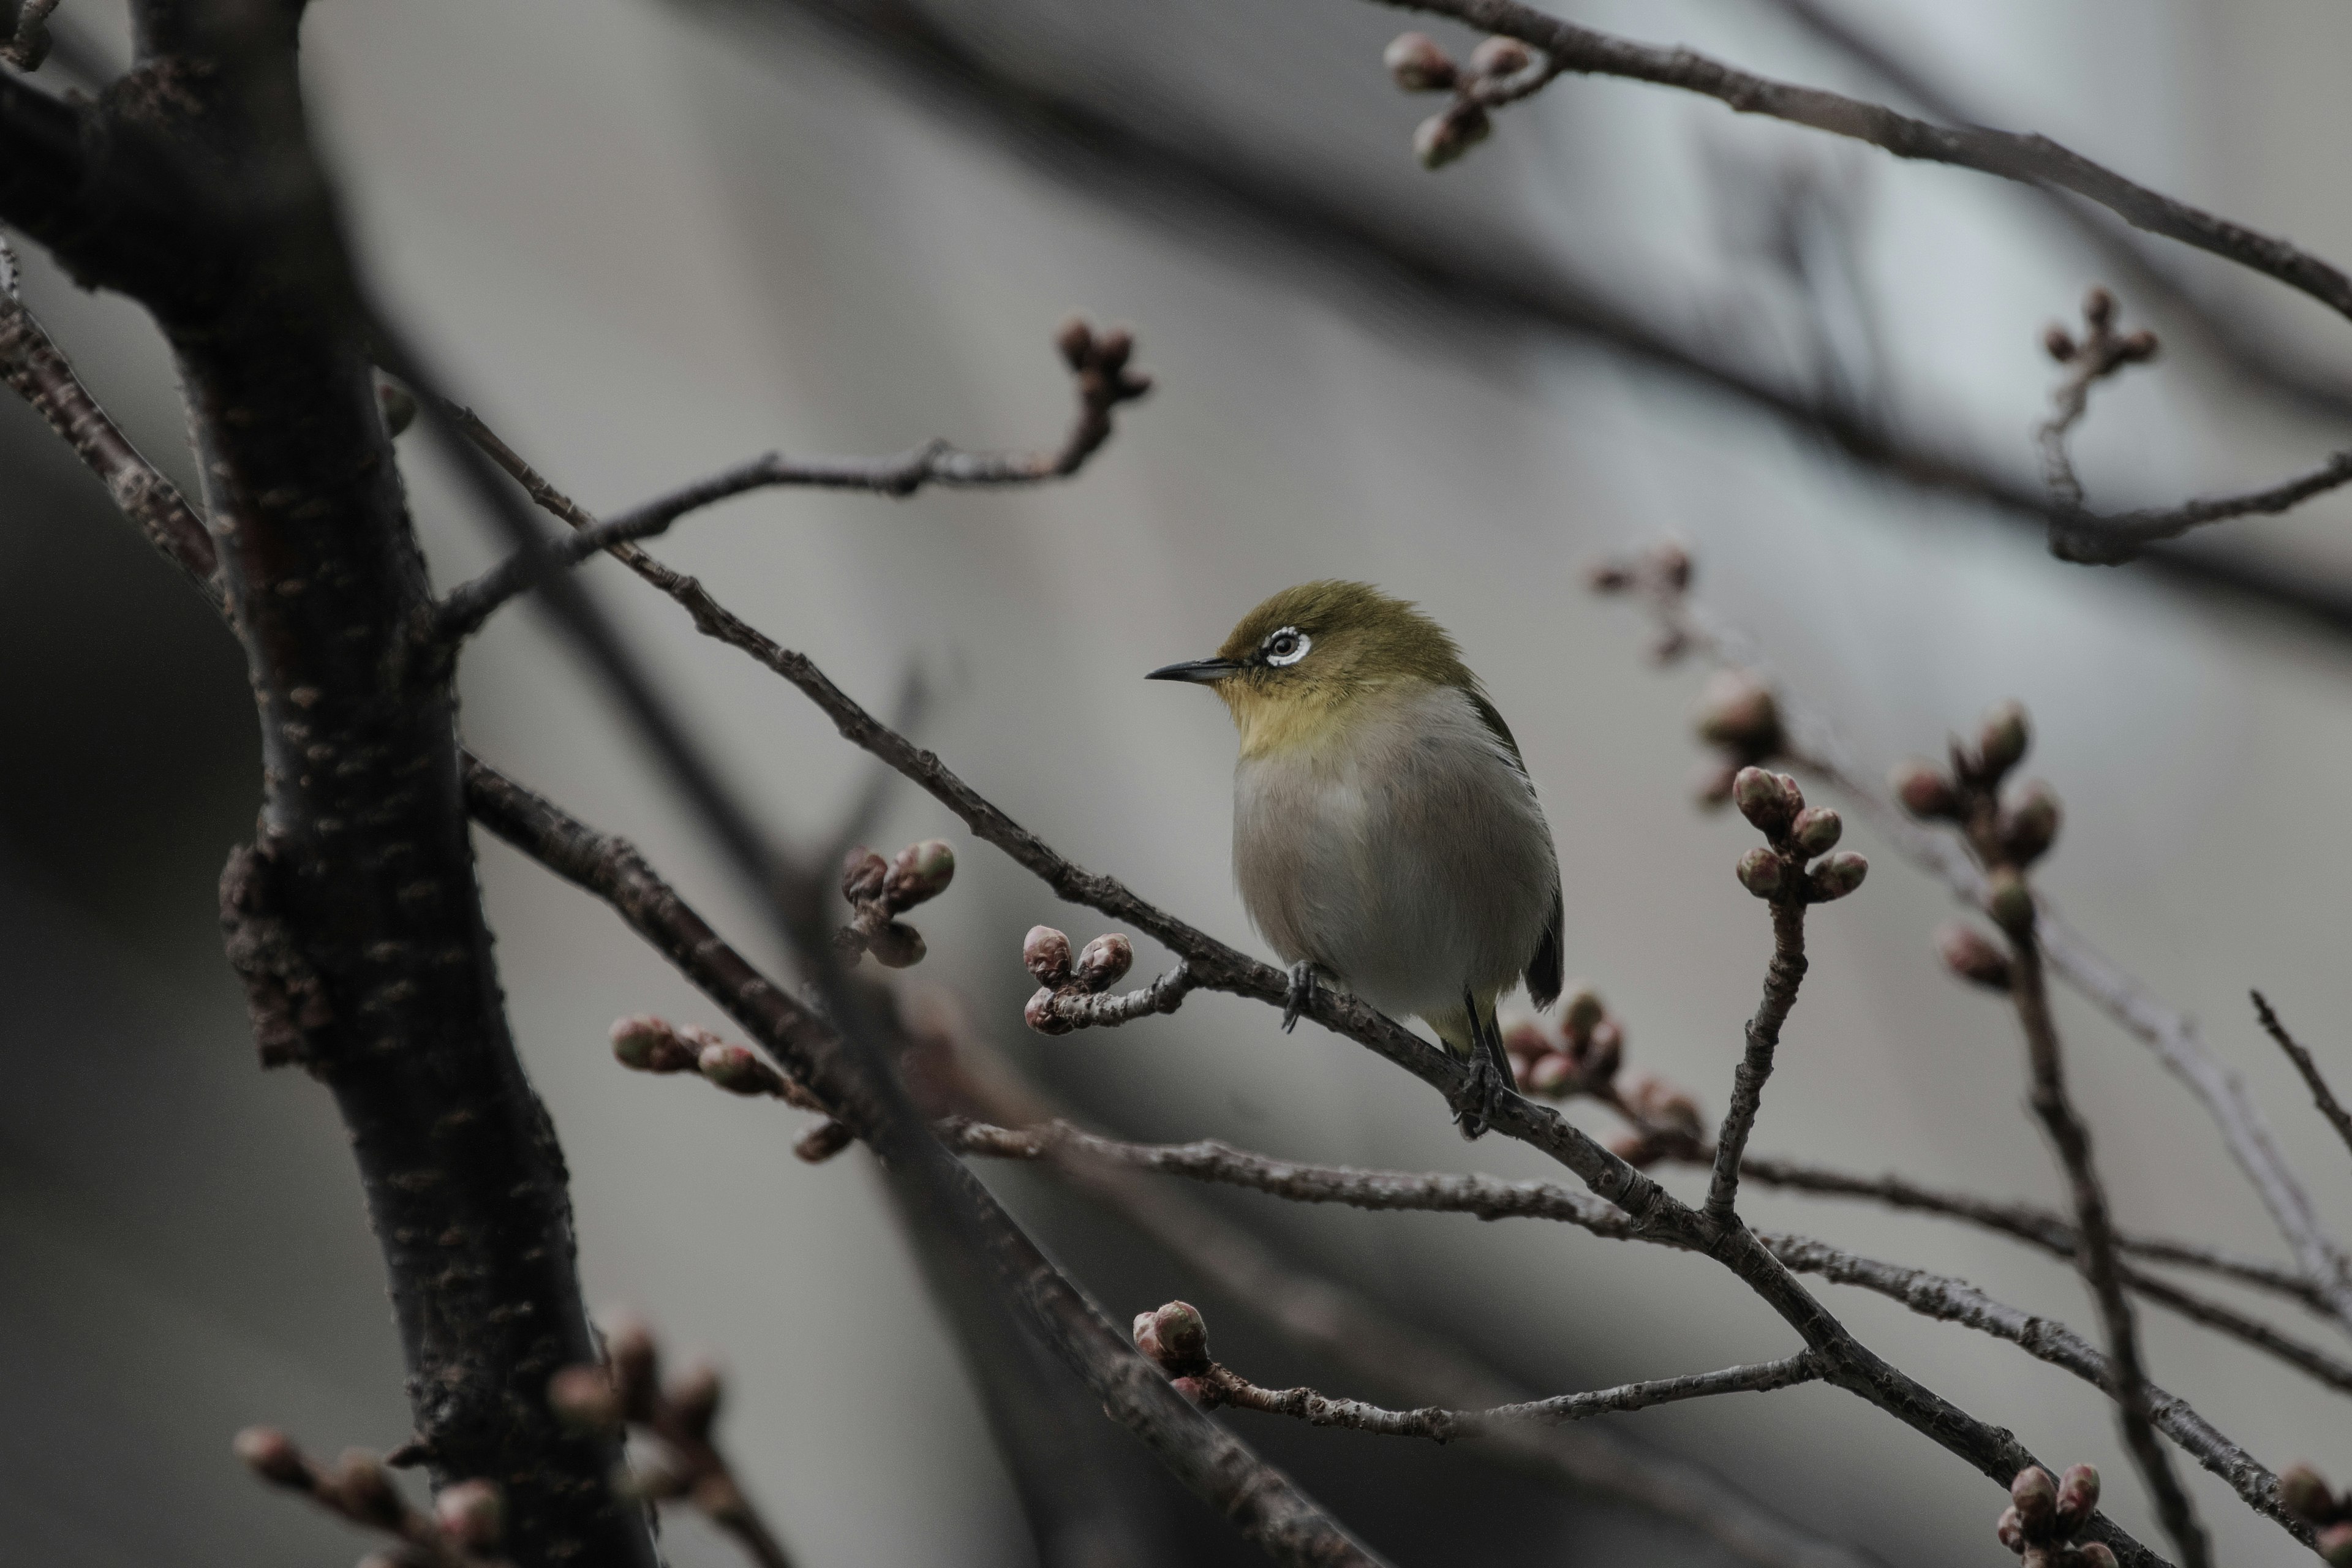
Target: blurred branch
[(29, 45), (2101, 353), (2321, 1095), (1787, 730), (464, 1531), (1099, 362)]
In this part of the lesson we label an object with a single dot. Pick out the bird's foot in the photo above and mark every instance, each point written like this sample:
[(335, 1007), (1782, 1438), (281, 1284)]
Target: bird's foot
[(1481, 1097), (1304, 982)]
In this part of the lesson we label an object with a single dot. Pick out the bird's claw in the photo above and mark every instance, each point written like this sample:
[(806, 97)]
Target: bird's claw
[(1301, 995), (1481, 1097)]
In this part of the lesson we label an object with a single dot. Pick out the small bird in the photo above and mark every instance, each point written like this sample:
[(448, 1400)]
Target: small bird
[(1386, 835)]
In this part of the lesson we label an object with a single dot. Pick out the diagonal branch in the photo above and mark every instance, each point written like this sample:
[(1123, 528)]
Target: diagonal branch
[(1099, 362), (1781, 978), (2321, 1095)]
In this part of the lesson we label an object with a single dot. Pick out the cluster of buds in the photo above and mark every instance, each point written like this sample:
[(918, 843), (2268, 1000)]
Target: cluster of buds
[(1175, 1339), (2102, 350), (2009, 832), (627, 1392), (1581, 1058), (468, 1520), (1737, 716), (643, 1043), (1796, 833), (880, 890), (2044, 1516), (1500, 71), (1099, 360), (1666, 1122), (2304, 1493), (1662, 573), (1077, 995)]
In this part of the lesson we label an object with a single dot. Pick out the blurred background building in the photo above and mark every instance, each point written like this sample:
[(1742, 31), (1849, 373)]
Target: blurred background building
[(655, 238)]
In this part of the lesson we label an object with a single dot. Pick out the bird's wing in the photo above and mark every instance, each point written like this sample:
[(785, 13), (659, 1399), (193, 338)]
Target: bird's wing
[(1545, 967)]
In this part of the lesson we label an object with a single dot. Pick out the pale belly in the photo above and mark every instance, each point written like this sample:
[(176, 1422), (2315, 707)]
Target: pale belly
[(1411, 862)]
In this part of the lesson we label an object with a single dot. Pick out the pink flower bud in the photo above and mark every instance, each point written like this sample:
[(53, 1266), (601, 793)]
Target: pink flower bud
[(2304, 1493), (1923, 789), (1769, 801), (1499, 56), (472, 1513), (1838, 874), (2137, 348), (823, 1141), (2030, 823), (1581, 1011), (1182, 1337), (921, 872), (1759, 872), (735, 1069), (1105, 961), (2008, 900), (2011, 1532), (1193, 1389), (1967, 953), (2001, 739), (1817, 829), (1553, 1074), (2335, 1545), (584, 1398), (1046, 952), (2035, 1497), (1417, 64), (694, 1398), (2058, 342), (1603, 1051), (646, 1044), (1449, 133), (2078, 1497), (863, 872), (271, 1455), (1738, 711), (895, 945), (363, 1490), (1040, 1015), (1146, 1334)]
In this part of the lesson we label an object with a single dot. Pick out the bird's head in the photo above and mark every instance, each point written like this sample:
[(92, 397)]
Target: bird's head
[(1296, 668)]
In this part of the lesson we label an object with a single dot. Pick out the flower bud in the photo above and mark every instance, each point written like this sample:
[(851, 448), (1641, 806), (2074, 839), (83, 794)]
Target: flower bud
[(472, 1513), (1554, 1074), (1112, 347), (271, 1455), (643, 1043), (2078, 1497), (1838, 874), (1737, 710), (694, 1398), (1759, 872), (1075, 341), (399, 406), (584, 1398), (1180, 1337), (635, 1366), (2008, 902), (1147, 1335), (1195, 1391), (1967, 953), (1499, 56), (1603, 1052), (2098, 306), (922, 872), (1105, 961), (823, 1141), (2335, 1545), (1046, 952), (2094, 1554), (2035, 1497), (1449, 133), (1581, 1011), (363, 1488), (1817, 829), (863, 872), (894, 944), (2011, 1532), (1417, 64), (1672, 562), (1768, 800), (1923, 789), (2058, 342), (2001, 739), (2304, 1493), (1039, 1014), (735, 1069), (2137, 348), (2030, 823)]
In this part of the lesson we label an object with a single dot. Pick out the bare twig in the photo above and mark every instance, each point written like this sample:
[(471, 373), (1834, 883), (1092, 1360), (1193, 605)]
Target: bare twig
[(1098, 362), (2321, 1095), (2101, 353)]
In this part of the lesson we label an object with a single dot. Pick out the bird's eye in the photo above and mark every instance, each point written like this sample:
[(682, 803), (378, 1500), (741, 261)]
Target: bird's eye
[(1287, 646)]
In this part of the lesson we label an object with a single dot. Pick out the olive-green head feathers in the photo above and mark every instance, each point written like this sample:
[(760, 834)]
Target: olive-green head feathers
[(1294, 665)]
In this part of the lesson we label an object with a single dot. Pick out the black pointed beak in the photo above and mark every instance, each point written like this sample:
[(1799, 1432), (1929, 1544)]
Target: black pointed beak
[(1199, 669)]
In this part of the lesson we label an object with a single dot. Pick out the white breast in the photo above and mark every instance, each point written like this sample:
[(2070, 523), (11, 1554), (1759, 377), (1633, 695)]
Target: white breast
[(1408, 859)]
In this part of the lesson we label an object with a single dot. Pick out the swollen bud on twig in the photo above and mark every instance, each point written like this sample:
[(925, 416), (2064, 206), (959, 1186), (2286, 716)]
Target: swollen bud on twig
[(583, 1399), (2008, 902), (1769, 801), (1738, 711), (1499, 56), (1924, 790), (863, 872), (644, 1043), (1449, 133), (2035, 1495), (2078, 1497), (921, 872), (1046, 952), (1077, 342), (1967, 953), (1105, 961), (1837, 876), (2136, 348), (2002, 740), (694, 1399), (364, 1491), (1417, 64), (636, 1363), (1581, 1011), (2058, 342), (823, 1141), (735, 1069), (472, 1514), (271, 1455), (2303, 1491), (1759, 872), (894, 944), (2029, 824), (1817, 829), (1176, 1337)]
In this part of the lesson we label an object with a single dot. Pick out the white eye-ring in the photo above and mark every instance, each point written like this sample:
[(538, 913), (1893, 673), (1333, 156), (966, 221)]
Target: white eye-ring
[(1287, 646)]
